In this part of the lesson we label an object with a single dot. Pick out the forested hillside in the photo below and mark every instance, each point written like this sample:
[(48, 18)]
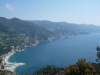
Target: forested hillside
[(17, 32), (57, 28), (65, 28), (14, 32), (80, 68)]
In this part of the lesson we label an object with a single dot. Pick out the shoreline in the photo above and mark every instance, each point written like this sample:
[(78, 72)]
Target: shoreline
[(9, 65), (12, 66)]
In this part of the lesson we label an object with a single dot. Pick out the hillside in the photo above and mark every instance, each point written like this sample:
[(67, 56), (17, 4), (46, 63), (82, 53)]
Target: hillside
[(14, 32), (16, 25), (67, 28), (56, 28), (80, 68)]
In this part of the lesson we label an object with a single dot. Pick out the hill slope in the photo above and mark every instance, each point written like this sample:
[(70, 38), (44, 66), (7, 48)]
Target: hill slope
[(15, 25), (67, 28), (17, 32)]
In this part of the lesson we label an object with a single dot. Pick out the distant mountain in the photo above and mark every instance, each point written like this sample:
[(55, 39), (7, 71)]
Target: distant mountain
[(57, 28), (90, 28), (67, 28)]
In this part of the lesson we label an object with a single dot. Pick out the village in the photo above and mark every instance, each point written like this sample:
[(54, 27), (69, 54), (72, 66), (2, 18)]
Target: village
[(5, 64)]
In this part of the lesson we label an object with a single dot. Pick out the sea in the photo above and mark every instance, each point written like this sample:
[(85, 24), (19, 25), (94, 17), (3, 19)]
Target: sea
[(59, 52)]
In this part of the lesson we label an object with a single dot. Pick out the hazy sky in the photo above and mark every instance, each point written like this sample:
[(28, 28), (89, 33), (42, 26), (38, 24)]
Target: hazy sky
[(71, 11)]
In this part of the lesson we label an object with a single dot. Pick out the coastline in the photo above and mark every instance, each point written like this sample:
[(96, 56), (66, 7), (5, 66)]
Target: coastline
[(11, 66)]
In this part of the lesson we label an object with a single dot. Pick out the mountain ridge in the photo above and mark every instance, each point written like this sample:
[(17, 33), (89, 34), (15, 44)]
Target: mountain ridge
[(67, 28), (16, 32)]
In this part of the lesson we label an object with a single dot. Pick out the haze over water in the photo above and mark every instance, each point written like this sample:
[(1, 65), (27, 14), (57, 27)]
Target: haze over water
[(63, 51)]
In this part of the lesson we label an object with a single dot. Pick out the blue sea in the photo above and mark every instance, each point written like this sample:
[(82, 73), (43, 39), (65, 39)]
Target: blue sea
[(63, 51)]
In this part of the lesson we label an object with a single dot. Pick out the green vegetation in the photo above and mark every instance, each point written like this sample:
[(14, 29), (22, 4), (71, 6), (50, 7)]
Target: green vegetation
[(58, 28), (80, 68), (17, 26), (7, 73), (8, 40), (49, 70), (67, 29), (16, 32), (98, 54)]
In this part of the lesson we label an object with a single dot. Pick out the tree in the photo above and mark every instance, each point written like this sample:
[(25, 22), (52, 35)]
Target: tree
[(25, 74), (98, 48), (98, 54), (81, 68), (2, 66)]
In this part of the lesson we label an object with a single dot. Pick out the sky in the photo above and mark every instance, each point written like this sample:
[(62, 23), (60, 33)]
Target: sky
[(71, 11)]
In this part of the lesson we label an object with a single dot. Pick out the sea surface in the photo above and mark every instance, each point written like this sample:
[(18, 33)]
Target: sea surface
[(63, 51)]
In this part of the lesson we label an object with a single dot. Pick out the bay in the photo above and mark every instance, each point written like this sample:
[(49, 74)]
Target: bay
[(63, 51)]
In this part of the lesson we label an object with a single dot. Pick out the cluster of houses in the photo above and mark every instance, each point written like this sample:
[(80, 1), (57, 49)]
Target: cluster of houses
[(2, 62), (2, 57)]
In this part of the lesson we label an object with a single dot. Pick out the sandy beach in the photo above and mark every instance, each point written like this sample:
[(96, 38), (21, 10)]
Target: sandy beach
[(11, 66)]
